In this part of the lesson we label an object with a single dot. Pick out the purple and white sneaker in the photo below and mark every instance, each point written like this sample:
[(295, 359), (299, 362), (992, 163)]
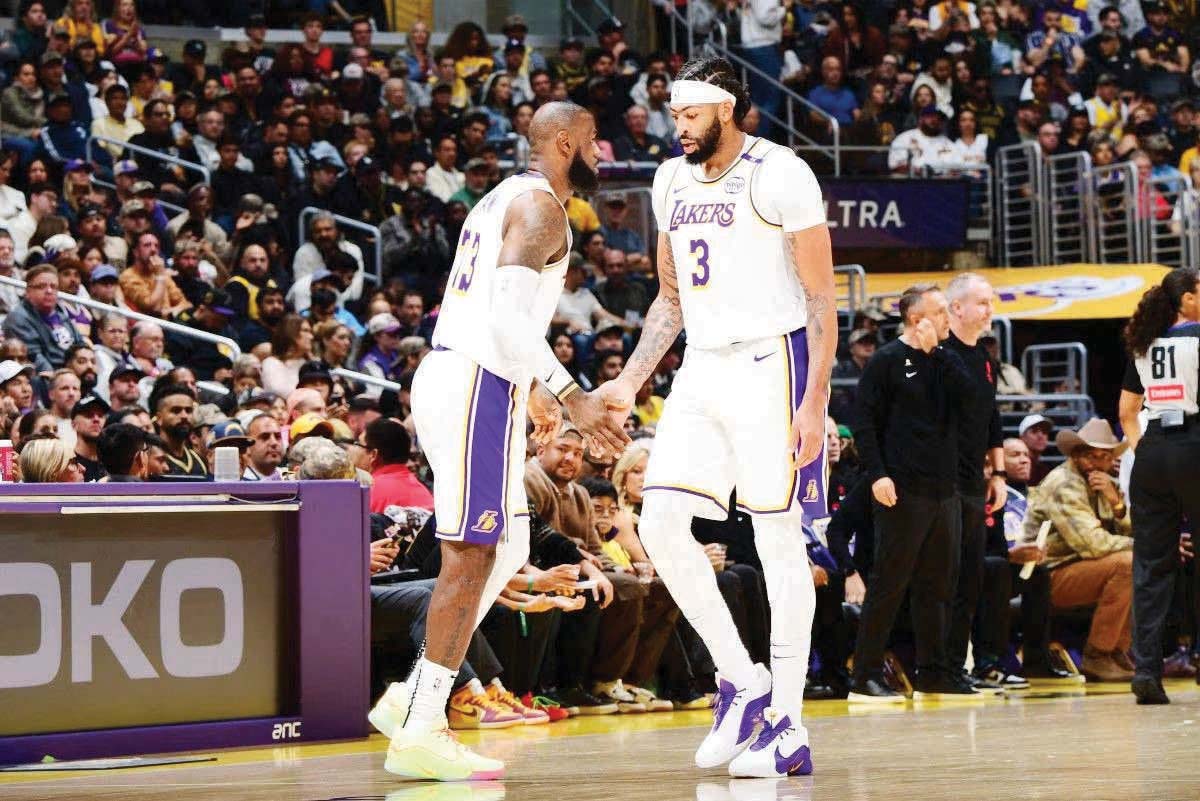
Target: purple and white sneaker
[(780, 750), (737, 711)]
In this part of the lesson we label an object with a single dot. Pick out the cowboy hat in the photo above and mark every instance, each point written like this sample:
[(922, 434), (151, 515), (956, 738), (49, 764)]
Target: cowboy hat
[(1095, 433)]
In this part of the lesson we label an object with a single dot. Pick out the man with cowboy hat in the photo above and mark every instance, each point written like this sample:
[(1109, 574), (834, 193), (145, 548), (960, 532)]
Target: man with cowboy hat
[(1089, 550)]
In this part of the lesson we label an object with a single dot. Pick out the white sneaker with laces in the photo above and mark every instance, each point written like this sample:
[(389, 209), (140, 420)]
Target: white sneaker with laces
[(436, 754), (737, 711), (390, 711), (780, 750)]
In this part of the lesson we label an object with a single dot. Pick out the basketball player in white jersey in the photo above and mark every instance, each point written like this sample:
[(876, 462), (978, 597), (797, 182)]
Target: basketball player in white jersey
[(745, 268), (469, 402)]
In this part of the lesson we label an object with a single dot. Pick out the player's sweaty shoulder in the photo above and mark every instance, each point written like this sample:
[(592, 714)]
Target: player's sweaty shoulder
[(535, 230)]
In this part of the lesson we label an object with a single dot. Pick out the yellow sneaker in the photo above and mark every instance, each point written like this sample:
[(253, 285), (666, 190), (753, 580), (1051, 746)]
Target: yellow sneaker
[(389, 712), (437, 755), (471, 708), (648, 699), (501, 695)]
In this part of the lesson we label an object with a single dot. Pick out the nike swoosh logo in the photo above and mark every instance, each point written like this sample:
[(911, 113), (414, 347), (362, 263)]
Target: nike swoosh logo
[(794, 764), (677, 190), (760, 358), (910, 375)]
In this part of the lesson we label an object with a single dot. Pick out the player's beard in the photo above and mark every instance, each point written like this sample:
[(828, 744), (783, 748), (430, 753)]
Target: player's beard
[(706, 145), (580, 176)]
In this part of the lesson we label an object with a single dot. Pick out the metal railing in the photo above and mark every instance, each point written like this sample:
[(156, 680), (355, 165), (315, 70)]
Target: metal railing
[(1019, 190), (1050, 365), (717, 45), (1114, 213), (167, 325), (1002, 328), (850, 284), (1064, 410), (1166, 221), (148, 153), (365, 378), (377, 243), (1065, 228), (572, 16), (980, 213)]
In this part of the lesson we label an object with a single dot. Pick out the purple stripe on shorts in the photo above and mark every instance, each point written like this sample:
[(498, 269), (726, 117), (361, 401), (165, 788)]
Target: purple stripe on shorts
[(487, 461), (810, 480)]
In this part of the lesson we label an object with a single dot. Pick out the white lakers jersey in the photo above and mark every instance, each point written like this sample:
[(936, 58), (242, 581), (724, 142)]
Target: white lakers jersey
[(468, 316), (736, 277)]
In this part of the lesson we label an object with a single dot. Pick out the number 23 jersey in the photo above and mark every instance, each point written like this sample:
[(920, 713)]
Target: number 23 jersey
[(1168, 373), (737, 281)]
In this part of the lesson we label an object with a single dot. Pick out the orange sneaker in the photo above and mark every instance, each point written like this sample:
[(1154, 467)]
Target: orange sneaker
[(499, 695), (471, 708)]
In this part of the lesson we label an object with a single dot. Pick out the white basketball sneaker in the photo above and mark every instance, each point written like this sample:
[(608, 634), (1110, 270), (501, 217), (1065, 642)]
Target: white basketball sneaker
[(389, 712), (736, 713), (781, 749), (436, 754)]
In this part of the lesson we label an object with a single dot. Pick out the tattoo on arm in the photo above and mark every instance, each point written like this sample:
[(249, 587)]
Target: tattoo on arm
[(664, 319), (534, 231), (816, 276)]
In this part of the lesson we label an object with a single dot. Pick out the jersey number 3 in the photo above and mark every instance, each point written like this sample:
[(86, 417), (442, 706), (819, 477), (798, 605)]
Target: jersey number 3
[(464, 271), (1162, 359), (699, 249)]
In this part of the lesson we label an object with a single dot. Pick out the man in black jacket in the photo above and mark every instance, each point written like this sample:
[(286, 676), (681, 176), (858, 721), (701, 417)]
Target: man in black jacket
[(979, 438), (908, 400)]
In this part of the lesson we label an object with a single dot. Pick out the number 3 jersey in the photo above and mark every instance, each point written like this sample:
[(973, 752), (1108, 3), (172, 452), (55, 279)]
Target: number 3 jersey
[(1167, 375), (737, 281), (468, 313)]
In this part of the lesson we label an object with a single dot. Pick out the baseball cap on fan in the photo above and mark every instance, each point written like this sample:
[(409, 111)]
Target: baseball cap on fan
[(1030, 421)]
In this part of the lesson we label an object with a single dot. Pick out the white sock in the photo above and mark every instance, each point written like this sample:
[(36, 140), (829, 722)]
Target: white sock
[(476, 687), (793, 600), (665, 528), (429, 687)]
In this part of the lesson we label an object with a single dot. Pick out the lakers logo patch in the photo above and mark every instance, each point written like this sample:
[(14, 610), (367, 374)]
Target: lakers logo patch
[(810, 491), (486, 523)]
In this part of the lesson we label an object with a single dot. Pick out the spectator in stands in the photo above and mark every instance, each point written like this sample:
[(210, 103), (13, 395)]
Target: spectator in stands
[(939, 78), (52, 75), (324, 240), (578, 309), (249, 279), (165, 176), (255, 336), (80, 359), (40, 322), (92, 227), (1009, 378), (1089, 551), (174, 406), (389, 449), (620, 295), (123, 452), (31, 30), (617, 233), (146, 285), (761, 32), (10, 296), (88, 419), (148, 345), (291, 346), (43, 202), (862, 348), (304, 152), (832, 96), (636, 144), (16, 389), (47, 459), (1158, 47), (118, 124), (475, 184), (1049, 139), (211, 314), (659, 122), (122, 387), (1050, 41), (64, 394), (1034, 430), (265, 453), (925, 146), (972, 146), (23, 110)]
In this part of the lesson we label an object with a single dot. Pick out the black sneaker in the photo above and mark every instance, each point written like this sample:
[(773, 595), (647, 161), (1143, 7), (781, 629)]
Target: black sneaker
[(814, 691), (943, 685), (985, 683), (1149, 691), (873, 690), (579, 701), (1050, 674)]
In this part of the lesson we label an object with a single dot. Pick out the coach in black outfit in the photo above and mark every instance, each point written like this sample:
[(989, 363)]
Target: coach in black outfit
[(907, 438), (979, 437)]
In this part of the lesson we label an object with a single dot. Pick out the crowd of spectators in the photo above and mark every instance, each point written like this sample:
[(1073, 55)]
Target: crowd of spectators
[(408, 142)]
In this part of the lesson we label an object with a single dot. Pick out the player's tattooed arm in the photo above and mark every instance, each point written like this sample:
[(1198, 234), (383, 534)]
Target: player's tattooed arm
[(664, 321), (812, 258), (534, 232)]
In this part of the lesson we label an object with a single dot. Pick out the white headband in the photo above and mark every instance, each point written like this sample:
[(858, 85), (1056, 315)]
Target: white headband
[(695, 93)]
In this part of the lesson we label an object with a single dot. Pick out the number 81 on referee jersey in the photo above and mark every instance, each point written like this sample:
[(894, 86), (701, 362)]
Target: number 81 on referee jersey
[(700, 275)]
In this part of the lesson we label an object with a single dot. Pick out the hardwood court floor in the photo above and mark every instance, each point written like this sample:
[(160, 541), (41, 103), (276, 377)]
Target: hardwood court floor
[(1083, 748)]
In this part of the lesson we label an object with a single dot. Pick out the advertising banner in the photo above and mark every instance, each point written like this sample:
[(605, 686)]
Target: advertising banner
[(909, 213)]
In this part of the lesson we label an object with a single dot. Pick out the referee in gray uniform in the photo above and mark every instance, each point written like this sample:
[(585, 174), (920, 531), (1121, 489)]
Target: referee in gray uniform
[(1163, 340)]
